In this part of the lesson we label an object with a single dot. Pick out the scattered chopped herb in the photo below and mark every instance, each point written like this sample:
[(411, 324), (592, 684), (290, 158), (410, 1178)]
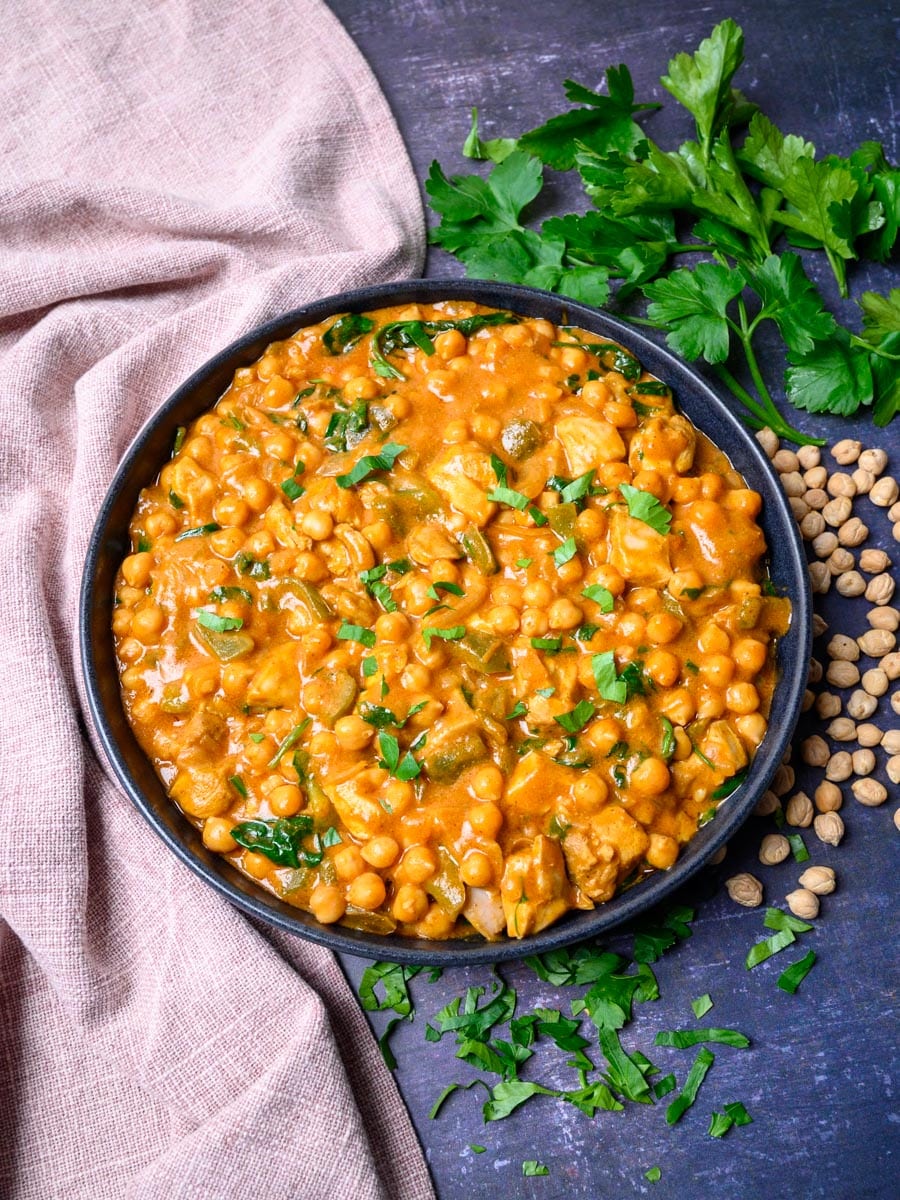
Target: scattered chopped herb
[(356, 633), (256, 738), (505, 495), (551, 645), (199, 531), (175, 500), (532, 1167), (219, 624), (453, 634), (667, 747), (576, 720), (545, 692), (609, 684), (719, 1124), (653, 1175), (279, 840), (220, 594), (692, 667), (292, 489), (702, 1005), (724, 790), (405, 767), (688, 1094), (791, 978), (524, 563), (248, 565), (773, 945), (347, 426), (519, 709), (239, 786), (443, 586), (565, 552), (346, 332), (664, 1086), (683, 1039), (776, 918), (738, 1113), (180, 435), (650, 388), (369, 666), (537, 516), (798, 847), (290, 741), (234, 422), (477, 1149), (369, 463), (600, 595), (645, 507)]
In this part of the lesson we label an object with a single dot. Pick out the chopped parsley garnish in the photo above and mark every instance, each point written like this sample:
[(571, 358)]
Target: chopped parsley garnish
[(292, 489), (682, 1039), (373, 581), (199, 531), (405, 767), (370, 463), (550, 645), (644, 506), (519, 709), (347, 426), (369, 666), (524, 563), (565, 552), (612, 685), (211, 620), (667, 747), (734, 1114), (346, 332), (256, 738), (356, 633), (546, 692), (239, 786), (688, 1094), (289, 742), (791, 978), (798, 847), (649, 388), (453, 634), (443, 586), (220, 594), (505, 495), (653, 1175), (724, 790), (575, 491), (600, 595), (247, 565), (532, 1167), (702, 1005), (180, 435), (175, 500), (280, 840), (575, 721)]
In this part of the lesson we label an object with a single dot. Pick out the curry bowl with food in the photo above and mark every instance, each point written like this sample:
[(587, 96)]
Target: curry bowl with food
[(444, 621)]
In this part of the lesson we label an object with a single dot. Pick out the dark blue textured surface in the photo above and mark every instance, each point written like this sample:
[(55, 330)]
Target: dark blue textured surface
[(821, 1076)]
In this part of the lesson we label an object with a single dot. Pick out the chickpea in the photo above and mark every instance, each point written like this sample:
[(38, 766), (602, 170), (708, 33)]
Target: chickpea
[(226, 542), (663, 627), (632, 627), (217, 835), (419, 863), (378, 534), (663, 667), (710, 703), (367, 891), (683, 582), (410, 904), (485, 819), (539, 593), (650, 777), (348, 862), (679, 706), (158, 524), (475, 869), (392, 627), (749, 654), (571, 571), (397, 796), (662, 851), (487, 783), (327, 903), (742, 698), (136, 569), (256, 865), (564, 614), (286, 800), (317, 525), (534, 622), (713, 640), (148, 623), (436, 923), (503, 619), (717, 669), (590, 791), (381, 852)]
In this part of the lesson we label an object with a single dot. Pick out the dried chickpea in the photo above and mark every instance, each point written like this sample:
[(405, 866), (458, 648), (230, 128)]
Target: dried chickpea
[(745, 889), (839, 767), (846, 451), (869, 792), (803, 903), (799, 810), (829, 828), (774, 849), (819, 880), (828, 796)]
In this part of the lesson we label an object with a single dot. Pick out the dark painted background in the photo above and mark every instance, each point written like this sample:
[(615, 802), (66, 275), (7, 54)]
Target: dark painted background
[(821, 1077)]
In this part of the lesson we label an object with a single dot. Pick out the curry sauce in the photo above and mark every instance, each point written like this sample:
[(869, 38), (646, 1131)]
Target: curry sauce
[(444, 620)]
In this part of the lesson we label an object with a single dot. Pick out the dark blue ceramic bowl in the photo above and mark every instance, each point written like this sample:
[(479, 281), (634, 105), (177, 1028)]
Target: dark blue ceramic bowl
[(150, 449)]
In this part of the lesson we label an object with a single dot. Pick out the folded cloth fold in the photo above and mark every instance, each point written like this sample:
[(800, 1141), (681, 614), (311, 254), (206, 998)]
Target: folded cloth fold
[(174, 172)]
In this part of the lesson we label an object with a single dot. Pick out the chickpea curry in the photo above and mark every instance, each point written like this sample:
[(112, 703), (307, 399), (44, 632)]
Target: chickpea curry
[(444, 621)]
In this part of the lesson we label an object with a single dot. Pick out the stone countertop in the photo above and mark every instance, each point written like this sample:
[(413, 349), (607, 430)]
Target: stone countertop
[(820, 1078)]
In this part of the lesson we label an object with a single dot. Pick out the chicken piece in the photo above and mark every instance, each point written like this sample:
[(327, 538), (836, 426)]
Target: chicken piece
[(535, 890), (593, 865), (721, 543), (429, 542), (276, 683), (620, 830), (588, 443), (279, 521), (196, 487), (638, 552), (722, 746), (203, 736), (665, 444), (484, 912), (358, 810), (463, 475), (535, 786), (201, 792)]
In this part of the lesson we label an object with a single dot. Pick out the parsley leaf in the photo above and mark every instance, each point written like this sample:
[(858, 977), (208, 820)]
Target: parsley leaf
[(702, 81), (691, 305), (645, 507), (369, 463)]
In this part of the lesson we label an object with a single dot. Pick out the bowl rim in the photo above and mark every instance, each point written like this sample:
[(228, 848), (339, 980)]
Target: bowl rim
[(183, 838)]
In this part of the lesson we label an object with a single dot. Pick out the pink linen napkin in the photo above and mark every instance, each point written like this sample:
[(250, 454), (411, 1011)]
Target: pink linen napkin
[(174, 172)]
